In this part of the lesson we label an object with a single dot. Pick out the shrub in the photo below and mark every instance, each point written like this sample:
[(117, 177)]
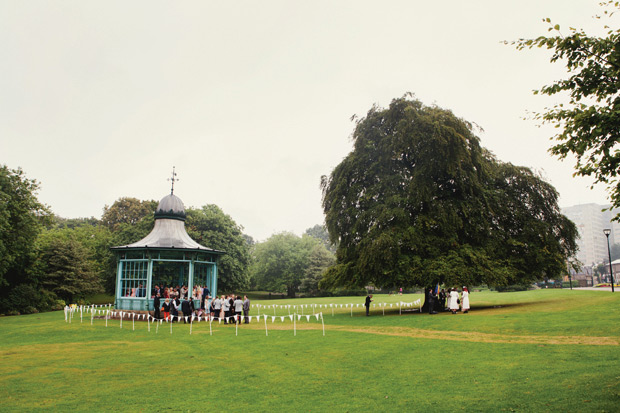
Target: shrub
[(512, 288)]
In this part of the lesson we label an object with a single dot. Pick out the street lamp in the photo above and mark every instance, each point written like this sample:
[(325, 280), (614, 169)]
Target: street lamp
[(607, 231)]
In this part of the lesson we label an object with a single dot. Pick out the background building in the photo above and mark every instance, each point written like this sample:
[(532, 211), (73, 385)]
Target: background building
[(591, 219)]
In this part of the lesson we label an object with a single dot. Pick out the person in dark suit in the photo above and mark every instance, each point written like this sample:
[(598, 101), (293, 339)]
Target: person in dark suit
[(156, 307), (175, 308), (187, 308), (231, 306), (442, 299), (367, 304), (432, 298), (246, 308)]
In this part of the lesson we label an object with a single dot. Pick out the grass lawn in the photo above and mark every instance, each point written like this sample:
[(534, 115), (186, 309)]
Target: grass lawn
[(546, 350)]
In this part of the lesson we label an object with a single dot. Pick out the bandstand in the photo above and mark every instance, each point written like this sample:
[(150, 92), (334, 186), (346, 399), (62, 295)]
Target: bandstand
[(167, 257)]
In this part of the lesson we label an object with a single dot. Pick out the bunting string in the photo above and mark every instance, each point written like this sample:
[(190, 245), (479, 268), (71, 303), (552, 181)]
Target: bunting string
[(237, 319)]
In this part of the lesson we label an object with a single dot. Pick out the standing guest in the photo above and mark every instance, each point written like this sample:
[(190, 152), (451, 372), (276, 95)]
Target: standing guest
[(166, 308), (432, 298), (465, 300), (156, 307), (176, 303), (246, 309), (217, 307), (225, 309), (186, 308), (231, 305), (238, 309), (166, 293), (205, 304), (206, 293), (183, 292), (213, 308), (453, 301), (367, 304), (442, 299)]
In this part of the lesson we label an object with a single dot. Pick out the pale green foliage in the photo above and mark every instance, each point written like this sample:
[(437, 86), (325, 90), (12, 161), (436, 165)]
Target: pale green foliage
[(281, 262), (126, 211)]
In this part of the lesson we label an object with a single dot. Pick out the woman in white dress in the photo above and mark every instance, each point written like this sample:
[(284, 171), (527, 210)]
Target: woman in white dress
[(465, 300), (453, 303)]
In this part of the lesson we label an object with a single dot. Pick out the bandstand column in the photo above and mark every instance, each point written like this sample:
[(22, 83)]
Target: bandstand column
[(149, 283)]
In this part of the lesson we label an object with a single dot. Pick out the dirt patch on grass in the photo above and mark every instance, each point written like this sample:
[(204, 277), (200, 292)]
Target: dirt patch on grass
[(460, 335)]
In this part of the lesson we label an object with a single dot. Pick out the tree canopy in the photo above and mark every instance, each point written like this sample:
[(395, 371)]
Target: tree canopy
[(127, 210), (419, 201), (21, 219), (284, 260), (589, 122), (211, 227)]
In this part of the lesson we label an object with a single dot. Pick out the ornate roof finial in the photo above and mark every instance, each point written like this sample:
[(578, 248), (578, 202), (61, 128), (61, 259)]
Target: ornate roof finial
[(173, 179)]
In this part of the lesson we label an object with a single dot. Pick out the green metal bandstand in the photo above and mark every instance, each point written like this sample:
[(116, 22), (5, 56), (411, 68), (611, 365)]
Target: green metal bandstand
[(167, 257)]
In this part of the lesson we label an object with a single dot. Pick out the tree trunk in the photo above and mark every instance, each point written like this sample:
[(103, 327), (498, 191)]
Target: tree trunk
[(290, 292)]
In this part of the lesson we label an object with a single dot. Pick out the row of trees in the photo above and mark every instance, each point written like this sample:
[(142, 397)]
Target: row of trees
[(417, 202), (46, 260)]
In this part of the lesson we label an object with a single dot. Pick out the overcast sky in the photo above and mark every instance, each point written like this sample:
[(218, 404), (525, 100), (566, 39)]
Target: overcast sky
[(252, 100)]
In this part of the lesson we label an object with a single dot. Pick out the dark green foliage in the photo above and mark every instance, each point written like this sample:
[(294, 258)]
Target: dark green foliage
[(211, 227), (419, 201), (22, 217), (513, 288), (66, 269), (589, 123)]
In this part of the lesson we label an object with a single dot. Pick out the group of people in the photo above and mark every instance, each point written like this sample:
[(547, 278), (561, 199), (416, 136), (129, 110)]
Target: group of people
[(198, 292), (178, 305), (448, 300)]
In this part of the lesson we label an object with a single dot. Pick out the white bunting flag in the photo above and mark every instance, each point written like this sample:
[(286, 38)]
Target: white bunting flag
[(308, 317), (317, 316), (282, 318)]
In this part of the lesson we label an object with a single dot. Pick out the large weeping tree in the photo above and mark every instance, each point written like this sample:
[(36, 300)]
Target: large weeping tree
[(419, 201)]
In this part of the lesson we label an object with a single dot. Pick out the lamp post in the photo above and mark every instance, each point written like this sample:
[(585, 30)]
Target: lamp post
[(607, 231)]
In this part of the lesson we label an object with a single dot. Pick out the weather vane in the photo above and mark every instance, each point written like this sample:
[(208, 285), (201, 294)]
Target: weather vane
[(173, 179)]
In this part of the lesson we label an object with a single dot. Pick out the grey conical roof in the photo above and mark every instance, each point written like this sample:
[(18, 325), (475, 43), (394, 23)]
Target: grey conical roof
[(169, 230)]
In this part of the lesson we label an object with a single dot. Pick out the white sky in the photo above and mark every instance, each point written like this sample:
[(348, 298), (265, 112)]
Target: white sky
[(251, 100)]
